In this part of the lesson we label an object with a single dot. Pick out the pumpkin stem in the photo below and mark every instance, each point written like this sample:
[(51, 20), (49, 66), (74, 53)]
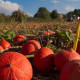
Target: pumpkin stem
[(76, 37), (9, 65)]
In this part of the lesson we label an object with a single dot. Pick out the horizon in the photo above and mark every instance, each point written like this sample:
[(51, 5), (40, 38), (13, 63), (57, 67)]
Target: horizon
[(30, 7)]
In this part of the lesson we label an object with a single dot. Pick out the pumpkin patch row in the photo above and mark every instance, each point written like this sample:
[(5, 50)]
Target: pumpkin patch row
[(15, 66)]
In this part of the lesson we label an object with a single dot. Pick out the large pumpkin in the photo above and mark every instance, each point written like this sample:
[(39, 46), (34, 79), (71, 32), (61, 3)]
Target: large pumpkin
[(30, 47), (15, 66), (43, 60), (63, 57), (71, 71)]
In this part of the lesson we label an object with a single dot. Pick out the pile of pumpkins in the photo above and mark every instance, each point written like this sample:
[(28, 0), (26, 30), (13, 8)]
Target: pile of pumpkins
[(15, 66)]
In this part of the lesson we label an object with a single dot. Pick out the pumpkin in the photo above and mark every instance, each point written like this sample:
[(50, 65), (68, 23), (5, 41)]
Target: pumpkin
[(43, 60), (15, 66), (64, 56), (19, 38), (71, 71), (30, 47), (5, 44)]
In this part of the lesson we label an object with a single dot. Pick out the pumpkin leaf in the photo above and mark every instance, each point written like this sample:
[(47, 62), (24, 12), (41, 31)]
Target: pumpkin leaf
[(70, 36)]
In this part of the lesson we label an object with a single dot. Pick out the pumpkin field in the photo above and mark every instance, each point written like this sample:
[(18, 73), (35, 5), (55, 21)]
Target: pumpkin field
[(39, 51)]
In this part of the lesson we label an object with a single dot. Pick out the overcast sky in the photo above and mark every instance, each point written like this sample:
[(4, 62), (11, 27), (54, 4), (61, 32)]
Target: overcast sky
[(31, 6)]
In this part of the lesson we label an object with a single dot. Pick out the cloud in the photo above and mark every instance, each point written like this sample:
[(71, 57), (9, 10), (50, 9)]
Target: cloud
[(29, 14), (69, 8), (8, 7), (55, 1)]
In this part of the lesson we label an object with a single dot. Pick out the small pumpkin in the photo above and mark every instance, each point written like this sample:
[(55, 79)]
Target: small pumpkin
[(30, 47), (5, 44), (19, 38)]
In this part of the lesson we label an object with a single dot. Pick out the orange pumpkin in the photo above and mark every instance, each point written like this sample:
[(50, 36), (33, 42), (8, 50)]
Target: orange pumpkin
[(43, 60), (15, 66), (63, 57), (30, 47), (5, 44), (19, 38), (71, 71)]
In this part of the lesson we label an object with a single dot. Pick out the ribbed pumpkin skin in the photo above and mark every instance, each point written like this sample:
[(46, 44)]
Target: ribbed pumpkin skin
[(19, 38), (43, 60), (64, 56), (20, 68), (5, 44), (71, 71), (30, 46)]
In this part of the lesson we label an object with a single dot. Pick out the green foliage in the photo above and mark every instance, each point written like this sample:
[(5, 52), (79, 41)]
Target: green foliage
[(51, 47), (63, 39), (54, 48), (72, 15), (7, 35), (76, 12), (66, 35), (4, 18), (31, 19), (59, 49), (19, 16), (65, 17), (42, 13), (69, 16), (54, 14)]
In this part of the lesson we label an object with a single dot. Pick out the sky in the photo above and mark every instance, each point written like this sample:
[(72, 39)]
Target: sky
[(30, 7)]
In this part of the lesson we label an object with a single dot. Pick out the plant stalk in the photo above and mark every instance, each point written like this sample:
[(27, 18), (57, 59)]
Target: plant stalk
[(29, 56), (77, 36)]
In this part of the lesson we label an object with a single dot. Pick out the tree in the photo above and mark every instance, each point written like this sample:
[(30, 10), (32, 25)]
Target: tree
[(4, 18), (19, 16), (54, 14), (65, 17), (77, 12), (72, 15), (42, 13), (7, 18), (69, 16)]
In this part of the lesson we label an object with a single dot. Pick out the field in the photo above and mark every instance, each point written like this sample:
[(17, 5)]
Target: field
[(36, 30), (55, 35)]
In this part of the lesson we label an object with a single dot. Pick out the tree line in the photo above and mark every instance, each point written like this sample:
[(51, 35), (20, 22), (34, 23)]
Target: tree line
[(42, 14)]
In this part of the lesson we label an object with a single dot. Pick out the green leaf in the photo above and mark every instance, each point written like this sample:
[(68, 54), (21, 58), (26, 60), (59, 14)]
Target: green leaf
[(70, 36)]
